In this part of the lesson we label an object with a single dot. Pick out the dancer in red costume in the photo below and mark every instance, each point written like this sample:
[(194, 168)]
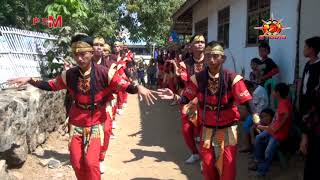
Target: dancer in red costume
[(101, 57), (218, 91), (91, 86), (189, 114)]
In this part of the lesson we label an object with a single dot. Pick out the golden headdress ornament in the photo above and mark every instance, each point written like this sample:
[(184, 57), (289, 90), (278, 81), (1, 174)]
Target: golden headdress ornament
[(106, 47), (118, 43), (214, 49), (81, 46), (98, 40), (198, 38)]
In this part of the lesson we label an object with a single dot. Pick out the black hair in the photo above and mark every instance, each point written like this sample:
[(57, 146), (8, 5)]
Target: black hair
[(314, 43), (130, 64), (256, 61), (283, 89), (265, 46), (268, 111), (82, 37)]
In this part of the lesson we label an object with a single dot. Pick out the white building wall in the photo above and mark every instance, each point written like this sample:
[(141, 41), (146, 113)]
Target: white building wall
[(283, 51), (200, 12), (238, 55), (309, 26)]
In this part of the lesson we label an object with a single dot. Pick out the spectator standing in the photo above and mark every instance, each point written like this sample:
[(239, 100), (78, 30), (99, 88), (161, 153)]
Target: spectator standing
[(309, 108)]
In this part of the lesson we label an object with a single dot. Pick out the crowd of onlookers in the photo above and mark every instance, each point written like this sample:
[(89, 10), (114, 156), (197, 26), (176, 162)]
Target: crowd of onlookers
[(289, 113), (284, 127)]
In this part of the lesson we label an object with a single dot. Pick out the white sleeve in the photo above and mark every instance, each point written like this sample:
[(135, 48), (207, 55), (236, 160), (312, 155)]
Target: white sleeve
[(262, 99)]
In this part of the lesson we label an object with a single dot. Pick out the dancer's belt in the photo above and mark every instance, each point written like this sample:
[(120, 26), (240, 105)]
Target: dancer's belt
[(88, 106), (219, 127), (214, 107), (95, 131)]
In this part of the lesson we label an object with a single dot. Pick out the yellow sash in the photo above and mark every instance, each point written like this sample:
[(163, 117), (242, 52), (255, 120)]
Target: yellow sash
[(220, 139)]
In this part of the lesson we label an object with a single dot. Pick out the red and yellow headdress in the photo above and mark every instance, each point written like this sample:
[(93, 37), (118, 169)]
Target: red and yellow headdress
[(106, 47), (118, 43), (81, 46), (198, 38), (81, 43), (98, 40), (214, 49)]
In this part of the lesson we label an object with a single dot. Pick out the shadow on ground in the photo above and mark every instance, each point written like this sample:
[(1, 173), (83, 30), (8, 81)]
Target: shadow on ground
[(62, 157), (161, 126)]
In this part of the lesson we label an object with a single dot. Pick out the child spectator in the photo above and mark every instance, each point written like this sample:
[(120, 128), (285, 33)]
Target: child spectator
[(141, 73), (152, 71), (260, 102), (268, 141), (266, 116), (255, 74), (267, 65), (259, 95)]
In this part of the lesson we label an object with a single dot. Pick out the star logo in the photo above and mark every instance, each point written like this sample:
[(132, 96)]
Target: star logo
[(272, 28)]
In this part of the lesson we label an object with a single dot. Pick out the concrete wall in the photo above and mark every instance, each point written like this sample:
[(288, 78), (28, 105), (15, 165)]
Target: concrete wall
[(283, 51), (200, 12), (308, 26)]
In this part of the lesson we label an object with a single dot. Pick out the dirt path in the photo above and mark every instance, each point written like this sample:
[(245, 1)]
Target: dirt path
[(148, 146)]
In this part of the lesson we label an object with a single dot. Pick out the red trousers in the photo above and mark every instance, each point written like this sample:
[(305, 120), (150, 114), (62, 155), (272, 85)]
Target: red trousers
[(189, 131), (114, 112), (107, 133), (120, 99), (209, 170), (86, 166), (125, 97)]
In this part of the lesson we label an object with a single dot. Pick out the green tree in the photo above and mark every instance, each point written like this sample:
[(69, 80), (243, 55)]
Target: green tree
[(146, 20), (73, 12), (19, 13), (150, 20)]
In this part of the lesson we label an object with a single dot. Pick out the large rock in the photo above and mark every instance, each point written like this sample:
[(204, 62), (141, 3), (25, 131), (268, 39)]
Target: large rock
[(26, 119)]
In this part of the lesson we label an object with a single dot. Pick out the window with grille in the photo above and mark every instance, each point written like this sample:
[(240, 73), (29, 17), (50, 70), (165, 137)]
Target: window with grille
[(257, 10), (201, 27), (223, 26)]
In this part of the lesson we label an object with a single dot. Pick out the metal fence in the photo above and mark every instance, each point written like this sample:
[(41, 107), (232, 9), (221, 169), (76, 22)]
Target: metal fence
[(20, 52)]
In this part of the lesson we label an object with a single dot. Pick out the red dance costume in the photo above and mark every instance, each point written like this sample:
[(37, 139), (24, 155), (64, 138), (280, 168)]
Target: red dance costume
[(86, 123), (169, 77), (190, 130), (218, 137), (109, 63)]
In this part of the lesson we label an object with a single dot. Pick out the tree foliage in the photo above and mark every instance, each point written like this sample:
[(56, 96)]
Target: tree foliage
[(146, 20), (19, 13), (150, 20)]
